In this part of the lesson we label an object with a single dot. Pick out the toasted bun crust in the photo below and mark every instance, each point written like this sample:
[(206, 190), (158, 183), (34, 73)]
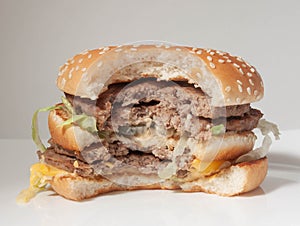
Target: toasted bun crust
[(230, 181), (74, 138), (227, 79)]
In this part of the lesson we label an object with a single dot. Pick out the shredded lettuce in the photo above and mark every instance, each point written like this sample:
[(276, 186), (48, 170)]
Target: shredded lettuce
[(170, 170), (35, 129), (68, 106), (218, 130), (84, 121), (265, 127)]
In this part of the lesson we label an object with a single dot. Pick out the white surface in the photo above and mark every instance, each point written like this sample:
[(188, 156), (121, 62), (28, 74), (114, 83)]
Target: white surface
[(276, 202), (39, 36)]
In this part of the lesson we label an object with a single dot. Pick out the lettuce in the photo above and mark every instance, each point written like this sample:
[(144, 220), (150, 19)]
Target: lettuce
[(35, 129), (84, 121), (218, 130), (67, 106), (265, 128)]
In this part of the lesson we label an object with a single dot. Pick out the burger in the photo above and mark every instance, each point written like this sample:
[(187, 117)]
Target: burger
[(152, 116)]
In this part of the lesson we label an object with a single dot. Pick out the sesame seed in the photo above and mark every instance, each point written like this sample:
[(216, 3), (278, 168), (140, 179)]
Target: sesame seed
[(244, 65), (255, 92), (249, 90), (209, 58), (70, 75), (261, 84), (228, 61), (90, 56), (100, 48), (83, 69), (194, 49), (77, 68), (72, 61), (239, 82), (66, 63), (238, 100), (236, 65), (80, 60), (63, 70), (159, 45), (106, 49), (240, 88), (63, 82), (225, 57), (84, 52), (133, 49), (248, 64), (249, 74), (241, 70), (99, 64), (118, 50), (192, 52), (167, 46), (239, 59), (221, 61), (251, 82), (212, 53), (199, 52), (178, 49), (208, 50), (252, 70), (228, 100), (257, 97), (228, 88), (101, 52), (212, 65)]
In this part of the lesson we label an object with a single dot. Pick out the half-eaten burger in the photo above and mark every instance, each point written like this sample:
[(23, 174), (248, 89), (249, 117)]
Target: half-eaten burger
[(153, 117)]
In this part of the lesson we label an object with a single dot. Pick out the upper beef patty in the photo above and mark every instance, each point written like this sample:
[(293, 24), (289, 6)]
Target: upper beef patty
[(166, 105)]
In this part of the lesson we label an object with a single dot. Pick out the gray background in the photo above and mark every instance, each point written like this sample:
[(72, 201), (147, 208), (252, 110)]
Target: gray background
[(38, 36)]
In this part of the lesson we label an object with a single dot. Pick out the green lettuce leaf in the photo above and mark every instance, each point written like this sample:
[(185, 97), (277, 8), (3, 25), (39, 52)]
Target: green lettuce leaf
[(35, 129), (84, 121), (68, 106), (218, 129)]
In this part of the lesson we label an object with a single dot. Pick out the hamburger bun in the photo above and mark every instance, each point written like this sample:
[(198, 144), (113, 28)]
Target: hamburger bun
[(227, 79)]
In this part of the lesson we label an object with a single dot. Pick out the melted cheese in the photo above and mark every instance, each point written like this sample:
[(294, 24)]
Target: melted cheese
[(205, 168), (40, 176), (201, 169)]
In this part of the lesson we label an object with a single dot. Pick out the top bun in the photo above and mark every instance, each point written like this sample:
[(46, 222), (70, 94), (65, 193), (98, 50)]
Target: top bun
[(227, 79)]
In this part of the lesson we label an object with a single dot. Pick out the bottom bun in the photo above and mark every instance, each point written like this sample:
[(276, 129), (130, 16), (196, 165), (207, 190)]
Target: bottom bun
[(231, 181)]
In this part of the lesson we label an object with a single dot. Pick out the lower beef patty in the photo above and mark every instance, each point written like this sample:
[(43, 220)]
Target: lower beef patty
[(113, 160)]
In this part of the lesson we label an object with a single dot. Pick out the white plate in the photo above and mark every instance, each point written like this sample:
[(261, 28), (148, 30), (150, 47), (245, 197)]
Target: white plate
[(276, 202)]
